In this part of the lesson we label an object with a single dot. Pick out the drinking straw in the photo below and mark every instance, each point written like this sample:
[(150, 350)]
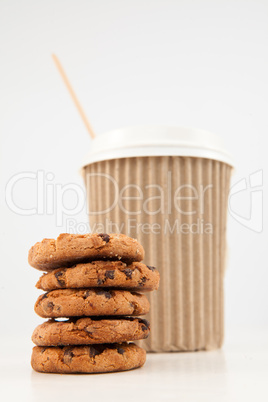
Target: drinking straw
[(74, 97)]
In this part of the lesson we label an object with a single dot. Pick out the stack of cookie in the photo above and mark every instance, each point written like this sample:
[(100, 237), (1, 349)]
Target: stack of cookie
[(92, 280)]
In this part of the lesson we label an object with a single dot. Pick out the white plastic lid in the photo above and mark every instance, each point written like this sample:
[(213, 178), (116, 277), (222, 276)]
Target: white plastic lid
[(157, 141)]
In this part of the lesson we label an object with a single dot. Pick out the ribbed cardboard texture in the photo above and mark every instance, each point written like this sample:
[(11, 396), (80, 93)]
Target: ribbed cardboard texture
[(176, 207)]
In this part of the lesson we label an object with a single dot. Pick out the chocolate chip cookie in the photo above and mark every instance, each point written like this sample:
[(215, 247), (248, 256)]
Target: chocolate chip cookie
[(69, 249), (90, 302), (94, 330), (88, 359), (115, 274)]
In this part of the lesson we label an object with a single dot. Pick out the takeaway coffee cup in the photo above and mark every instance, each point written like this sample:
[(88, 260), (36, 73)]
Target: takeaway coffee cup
[(168, 187)]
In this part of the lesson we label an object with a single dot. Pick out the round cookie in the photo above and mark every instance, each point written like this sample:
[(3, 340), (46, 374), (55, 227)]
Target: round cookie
[(115, 274), (86, 331), (68, 249), (90, 302), (88, 359)]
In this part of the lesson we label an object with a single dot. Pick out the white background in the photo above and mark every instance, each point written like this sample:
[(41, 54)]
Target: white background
[(183, 63)]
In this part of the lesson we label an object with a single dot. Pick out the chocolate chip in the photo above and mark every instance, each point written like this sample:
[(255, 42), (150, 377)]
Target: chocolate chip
[(151, 268), (68, 355), (134, 306), (145, 323), (142, 281), (49, 307), (104, 293), (60, 281), (109, 274), (118, 348), (128, 272), (86, 294), (100, 281), (96, 350), (105, 237)]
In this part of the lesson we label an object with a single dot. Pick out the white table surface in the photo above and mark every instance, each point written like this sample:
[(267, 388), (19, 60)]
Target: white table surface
[(237, 372)]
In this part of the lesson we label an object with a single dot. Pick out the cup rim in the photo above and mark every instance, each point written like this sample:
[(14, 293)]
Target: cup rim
[(142, 141)]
